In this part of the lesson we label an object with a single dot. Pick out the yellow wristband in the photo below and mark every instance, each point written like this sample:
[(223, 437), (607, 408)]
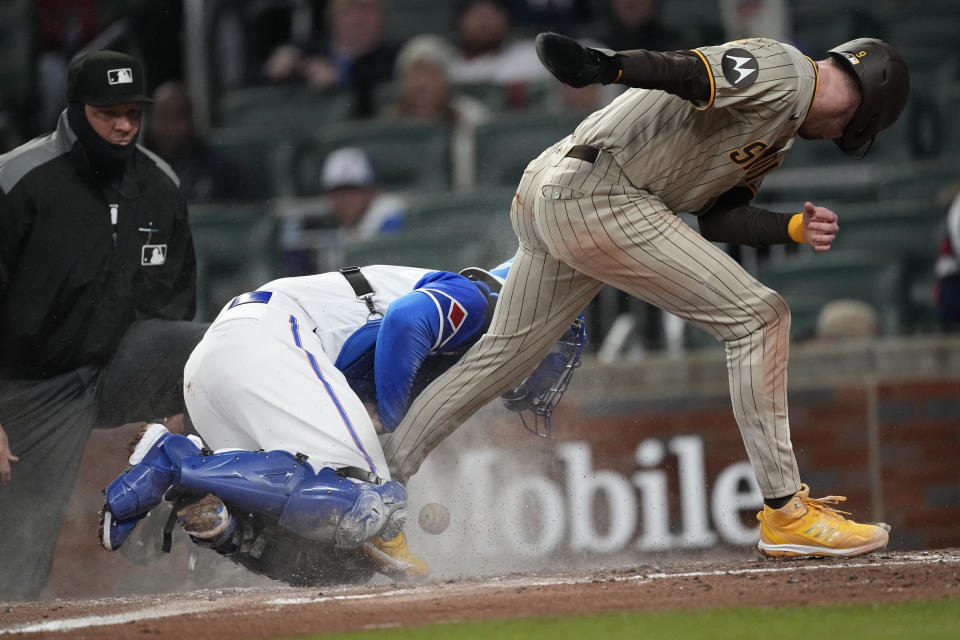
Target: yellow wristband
[(795, 228)]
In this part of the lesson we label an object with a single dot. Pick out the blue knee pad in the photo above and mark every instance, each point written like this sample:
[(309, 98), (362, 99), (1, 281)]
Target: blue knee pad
[(139, 489), (319, 506)]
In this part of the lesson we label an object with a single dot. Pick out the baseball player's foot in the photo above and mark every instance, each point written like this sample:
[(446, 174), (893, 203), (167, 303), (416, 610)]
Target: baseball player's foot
[(394, 559), (807, 526), (155, 464), (112, 532), (206, 519)]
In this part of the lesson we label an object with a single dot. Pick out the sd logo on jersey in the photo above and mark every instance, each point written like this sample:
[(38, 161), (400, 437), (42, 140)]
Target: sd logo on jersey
[(740, 68)]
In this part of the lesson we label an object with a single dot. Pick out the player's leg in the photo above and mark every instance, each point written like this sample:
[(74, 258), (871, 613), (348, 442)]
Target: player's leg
[(154, 466), (630, 239), (539, 300), (323, 506), (47, 423), (326, 506), (638, 245)]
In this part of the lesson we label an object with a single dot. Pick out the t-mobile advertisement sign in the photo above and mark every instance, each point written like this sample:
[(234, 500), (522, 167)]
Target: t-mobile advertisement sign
[(504, 504)]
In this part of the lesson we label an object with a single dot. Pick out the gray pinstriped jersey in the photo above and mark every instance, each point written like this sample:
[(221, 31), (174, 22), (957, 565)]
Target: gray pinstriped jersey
[(611, 220), (689, 154)]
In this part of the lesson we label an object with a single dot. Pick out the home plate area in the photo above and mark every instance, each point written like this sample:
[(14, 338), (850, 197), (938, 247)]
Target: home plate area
[(273, 611)]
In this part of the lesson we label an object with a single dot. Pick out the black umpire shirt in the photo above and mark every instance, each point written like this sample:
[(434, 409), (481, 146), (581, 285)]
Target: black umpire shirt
[(81, 259)]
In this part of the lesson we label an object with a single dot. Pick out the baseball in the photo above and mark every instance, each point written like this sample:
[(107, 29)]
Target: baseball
[(434, 518)]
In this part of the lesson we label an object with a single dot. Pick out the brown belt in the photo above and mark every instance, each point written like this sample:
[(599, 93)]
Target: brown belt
[(583, 152)]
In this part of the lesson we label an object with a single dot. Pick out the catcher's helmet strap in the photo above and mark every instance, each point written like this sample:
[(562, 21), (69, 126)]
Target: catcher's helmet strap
[(482, 275)]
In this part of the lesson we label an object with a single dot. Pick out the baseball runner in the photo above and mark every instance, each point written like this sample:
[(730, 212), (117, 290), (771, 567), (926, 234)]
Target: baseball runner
[(697, 132), (280, 386)]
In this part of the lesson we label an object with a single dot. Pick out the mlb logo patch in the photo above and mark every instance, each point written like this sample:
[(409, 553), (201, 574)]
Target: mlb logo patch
[(153, 255), (120, 76)]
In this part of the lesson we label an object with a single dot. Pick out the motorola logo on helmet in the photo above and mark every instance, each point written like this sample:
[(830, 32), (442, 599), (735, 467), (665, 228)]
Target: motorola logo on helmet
[(884, 81)]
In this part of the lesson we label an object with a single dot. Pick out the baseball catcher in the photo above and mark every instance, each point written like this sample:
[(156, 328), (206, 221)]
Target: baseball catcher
[(289, 479)]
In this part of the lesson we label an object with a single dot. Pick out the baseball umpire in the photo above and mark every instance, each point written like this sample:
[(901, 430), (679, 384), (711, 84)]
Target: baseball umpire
[(97, 287), (697, 132)]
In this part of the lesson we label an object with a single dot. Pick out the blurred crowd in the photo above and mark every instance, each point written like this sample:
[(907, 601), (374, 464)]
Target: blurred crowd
[(472, 61), (338, 46)]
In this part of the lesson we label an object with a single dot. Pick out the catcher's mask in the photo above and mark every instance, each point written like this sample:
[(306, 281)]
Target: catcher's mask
[(543, 388), (884, 81), (482, 275)]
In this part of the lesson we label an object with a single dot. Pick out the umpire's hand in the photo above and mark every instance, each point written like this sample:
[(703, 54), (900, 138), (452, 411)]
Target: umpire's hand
[(5, 457), (819, 226), (574, 64)]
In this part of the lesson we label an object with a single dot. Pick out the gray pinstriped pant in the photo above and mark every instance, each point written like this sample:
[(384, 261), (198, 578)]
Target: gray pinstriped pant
[(581, 225)]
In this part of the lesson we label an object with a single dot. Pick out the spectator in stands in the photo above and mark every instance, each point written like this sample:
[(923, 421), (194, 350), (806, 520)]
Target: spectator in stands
[(356, 209), (636, 24), (947, 293), (424, 93), (358, 206), (356, 56), (204, 174), (845, 319), (487, 51)]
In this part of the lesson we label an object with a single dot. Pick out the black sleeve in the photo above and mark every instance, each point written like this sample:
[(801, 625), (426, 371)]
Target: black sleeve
[(13, 228), (731, 219), (681, 73)]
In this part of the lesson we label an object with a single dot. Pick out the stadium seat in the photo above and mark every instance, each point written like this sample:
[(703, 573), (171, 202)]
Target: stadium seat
[(917, 182), (236, 252), (908, 231), (948, 105), (17, 43), (284, 107), (448, 249), (491, 94), (274, 164), (408, 18), (811, 280), (479, 206), (506, 144), (408, 155)]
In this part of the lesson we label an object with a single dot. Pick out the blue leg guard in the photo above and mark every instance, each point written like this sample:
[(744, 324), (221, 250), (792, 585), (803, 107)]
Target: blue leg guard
[(320, 506), (156, 465)]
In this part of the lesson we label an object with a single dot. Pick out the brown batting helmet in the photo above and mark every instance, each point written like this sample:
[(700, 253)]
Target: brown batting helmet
[(884, 84)]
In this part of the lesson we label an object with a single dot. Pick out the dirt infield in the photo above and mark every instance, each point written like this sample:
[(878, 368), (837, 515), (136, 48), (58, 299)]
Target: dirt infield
[(270, 612)]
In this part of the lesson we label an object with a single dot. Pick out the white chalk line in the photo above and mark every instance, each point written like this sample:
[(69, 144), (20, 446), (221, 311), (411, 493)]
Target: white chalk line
[(69, 624)]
